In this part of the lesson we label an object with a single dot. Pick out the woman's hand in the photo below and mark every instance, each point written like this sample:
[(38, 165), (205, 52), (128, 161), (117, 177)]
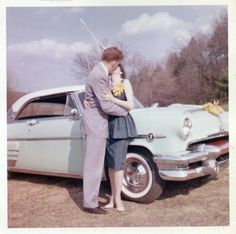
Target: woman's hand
[(107, 96)]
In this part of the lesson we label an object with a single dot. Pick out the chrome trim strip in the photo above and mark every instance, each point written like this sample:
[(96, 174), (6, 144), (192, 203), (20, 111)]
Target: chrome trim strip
[(59, 174), (207, 152), (141, 136), (177, 167), (75, 97), (219, 134), (183, 175), (12, 155), (71, 138), (44, 138)]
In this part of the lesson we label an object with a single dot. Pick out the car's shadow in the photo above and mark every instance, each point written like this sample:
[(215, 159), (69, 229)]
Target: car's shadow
[(174, 188), (73, 186)]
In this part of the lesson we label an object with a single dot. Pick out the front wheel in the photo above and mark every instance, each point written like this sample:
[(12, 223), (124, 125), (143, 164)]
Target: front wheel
[(142, 182)]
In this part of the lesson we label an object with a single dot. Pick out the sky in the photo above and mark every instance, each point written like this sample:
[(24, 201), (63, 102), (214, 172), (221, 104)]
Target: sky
[(42, 41)]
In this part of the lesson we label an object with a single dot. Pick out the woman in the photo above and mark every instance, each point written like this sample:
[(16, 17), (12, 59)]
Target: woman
[(121, 131)]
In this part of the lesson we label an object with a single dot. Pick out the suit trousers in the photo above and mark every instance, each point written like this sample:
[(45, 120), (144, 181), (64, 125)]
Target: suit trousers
[(93, 169)]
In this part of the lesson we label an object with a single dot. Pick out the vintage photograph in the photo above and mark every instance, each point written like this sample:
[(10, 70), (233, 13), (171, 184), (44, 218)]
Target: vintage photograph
[(117, 116)]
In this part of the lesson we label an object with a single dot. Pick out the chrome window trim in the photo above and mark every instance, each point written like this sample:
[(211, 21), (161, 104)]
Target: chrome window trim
[(68, 97), (77, 100), (16, 114), (42, 118)]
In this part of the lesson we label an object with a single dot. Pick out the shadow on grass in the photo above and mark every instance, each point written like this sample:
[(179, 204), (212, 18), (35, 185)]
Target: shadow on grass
[(174, 188), (73, 186)]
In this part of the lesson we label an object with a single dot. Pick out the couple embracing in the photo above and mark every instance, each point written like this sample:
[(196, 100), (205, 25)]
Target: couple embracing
[(108, 127)]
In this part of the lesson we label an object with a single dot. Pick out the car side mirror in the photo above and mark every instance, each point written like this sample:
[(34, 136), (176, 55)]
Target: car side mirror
[(155, 105), (75, 114)]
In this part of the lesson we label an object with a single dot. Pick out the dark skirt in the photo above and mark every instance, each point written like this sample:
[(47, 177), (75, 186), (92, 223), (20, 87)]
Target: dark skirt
[(121, 127), (121, 131), (116, 150)]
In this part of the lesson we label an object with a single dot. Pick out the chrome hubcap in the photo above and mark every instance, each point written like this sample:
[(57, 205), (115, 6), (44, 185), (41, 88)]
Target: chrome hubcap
[(135, 176)]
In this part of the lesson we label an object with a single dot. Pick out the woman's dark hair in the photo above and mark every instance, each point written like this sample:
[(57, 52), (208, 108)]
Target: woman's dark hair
[(123, 76)]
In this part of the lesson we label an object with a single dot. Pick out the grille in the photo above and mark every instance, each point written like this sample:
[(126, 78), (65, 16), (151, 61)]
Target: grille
[(220, 141)]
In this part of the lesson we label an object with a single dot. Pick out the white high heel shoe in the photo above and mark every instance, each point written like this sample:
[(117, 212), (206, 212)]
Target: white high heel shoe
[(109, 206), (120, 209)]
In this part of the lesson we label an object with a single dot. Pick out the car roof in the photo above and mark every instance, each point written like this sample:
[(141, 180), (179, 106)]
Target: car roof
[(45, 92)]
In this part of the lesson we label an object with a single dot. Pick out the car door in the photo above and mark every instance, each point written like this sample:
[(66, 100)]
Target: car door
[(17, 134), (54, 137)]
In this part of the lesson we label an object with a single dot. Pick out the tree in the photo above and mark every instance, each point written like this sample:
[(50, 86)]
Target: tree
[(201, 67), (84, 62), (218, 57), (195, 74)]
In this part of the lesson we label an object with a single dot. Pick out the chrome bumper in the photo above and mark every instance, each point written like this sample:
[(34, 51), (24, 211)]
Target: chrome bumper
[(190, 165)]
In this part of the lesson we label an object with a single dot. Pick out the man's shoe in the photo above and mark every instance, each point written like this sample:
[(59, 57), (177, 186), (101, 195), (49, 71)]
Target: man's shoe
[(96, 210)]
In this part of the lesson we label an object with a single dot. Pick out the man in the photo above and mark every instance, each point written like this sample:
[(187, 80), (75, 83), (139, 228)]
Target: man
[(95, 123)]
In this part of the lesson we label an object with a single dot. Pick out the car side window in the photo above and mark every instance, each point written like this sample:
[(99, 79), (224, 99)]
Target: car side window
[(49, 106)]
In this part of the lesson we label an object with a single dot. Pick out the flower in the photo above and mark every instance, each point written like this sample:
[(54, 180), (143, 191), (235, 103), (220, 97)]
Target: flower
[(213, 108), (118, 89)]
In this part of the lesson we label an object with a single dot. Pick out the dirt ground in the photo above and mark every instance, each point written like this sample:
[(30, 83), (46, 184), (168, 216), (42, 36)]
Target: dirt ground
[(42, 201)]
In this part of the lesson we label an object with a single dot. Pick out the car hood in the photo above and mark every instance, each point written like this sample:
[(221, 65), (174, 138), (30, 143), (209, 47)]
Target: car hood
[(169, 120)]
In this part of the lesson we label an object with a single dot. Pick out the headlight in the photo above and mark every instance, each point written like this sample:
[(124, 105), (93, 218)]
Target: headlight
[(187, 125)]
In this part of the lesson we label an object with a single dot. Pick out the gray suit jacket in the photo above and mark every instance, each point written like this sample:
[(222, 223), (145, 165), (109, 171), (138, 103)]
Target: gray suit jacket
[(95, 118)]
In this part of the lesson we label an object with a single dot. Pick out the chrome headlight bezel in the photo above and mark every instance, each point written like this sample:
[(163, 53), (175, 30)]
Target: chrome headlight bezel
[(186, 128)]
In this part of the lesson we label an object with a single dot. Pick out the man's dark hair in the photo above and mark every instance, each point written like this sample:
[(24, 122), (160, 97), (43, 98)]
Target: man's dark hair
[(112, 54)]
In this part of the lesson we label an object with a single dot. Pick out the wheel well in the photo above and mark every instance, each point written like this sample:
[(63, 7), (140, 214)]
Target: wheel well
[(148, 154), (140, 149)]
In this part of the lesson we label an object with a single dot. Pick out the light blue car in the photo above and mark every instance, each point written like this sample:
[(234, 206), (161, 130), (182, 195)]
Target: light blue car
[(177, 142)]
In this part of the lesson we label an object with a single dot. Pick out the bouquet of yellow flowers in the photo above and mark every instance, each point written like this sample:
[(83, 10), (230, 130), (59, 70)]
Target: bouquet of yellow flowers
[(213, 107)]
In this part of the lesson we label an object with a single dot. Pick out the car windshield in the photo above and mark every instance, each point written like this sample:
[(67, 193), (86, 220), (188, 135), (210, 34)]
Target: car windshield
[(137, 103)]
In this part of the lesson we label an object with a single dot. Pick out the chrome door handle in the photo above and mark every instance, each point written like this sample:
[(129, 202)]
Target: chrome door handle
[(32, 122)]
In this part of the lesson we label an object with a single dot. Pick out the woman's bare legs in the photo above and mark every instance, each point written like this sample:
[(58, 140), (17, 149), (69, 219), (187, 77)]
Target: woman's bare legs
[(112, 182), (116, 178)]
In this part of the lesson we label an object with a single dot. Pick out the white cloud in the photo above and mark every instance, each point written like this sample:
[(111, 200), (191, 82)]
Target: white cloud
[(159, 21), (49, 48), (169, 27)]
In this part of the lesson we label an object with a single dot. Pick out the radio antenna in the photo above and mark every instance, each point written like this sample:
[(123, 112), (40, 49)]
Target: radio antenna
[(98, 44)]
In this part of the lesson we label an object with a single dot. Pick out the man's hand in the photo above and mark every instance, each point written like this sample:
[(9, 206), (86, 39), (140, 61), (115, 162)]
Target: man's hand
[(86, 104), (107, 96)]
